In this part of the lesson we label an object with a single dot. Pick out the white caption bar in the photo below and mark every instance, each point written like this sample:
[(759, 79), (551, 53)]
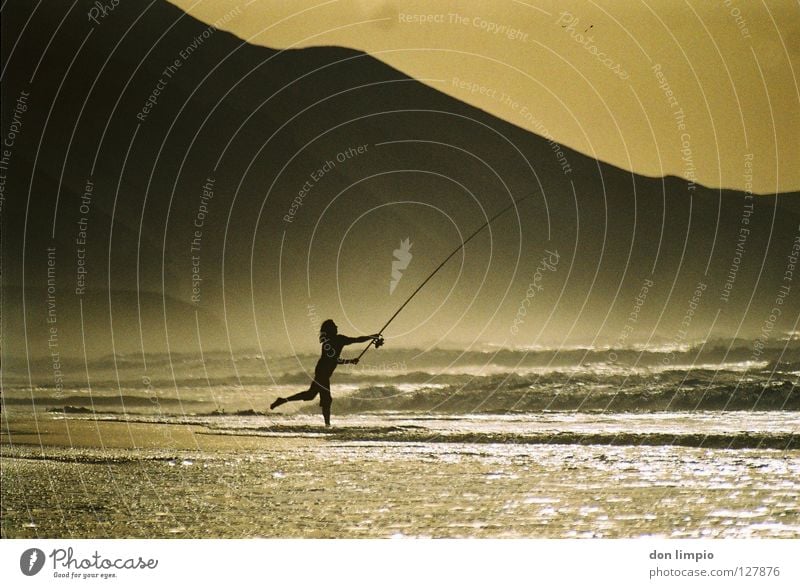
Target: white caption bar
[(404, 562)]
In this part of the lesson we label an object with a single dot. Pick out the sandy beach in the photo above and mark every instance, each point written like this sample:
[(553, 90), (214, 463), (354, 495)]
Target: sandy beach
[(385, 476)]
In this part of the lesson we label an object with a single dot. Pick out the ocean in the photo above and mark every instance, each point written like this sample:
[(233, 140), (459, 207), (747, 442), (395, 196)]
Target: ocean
[(693, 443)]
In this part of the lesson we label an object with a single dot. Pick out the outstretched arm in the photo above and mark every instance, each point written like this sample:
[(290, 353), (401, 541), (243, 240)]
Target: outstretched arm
[(346, 361), (363, 339)]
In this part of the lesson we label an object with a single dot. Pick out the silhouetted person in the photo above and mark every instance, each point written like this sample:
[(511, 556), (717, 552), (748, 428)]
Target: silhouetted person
[(332, 344)]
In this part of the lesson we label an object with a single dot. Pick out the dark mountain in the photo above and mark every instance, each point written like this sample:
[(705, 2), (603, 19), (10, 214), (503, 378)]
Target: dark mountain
[(378, 157)]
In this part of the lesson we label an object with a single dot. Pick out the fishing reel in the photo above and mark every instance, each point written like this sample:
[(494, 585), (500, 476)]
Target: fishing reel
[(378, 342)]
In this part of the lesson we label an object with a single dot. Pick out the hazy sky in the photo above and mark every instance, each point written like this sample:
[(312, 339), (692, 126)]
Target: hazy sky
[(586, 73)]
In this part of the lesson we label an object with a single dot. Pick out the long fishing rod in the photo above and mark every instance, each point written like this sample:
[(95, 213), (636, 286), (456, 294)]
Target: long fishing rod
[(441, 265)]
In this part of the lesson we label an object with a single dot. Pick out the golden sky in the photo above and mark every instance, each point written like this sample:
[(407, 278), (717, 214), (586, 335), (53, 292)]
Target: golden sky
[(655, 86)]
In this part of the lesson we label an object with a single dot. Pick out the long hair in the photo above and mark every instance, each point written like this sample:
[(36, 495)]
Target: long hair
[(327, 331)]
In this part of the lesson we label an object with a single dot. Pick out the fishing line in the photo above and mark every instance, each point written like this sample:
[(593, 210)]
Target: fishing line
[(441, 265)]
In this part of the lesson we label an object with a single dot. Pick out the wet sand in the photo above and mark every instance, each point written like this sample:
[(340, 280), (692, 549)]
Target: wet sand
[(48, 430), (81, 477)]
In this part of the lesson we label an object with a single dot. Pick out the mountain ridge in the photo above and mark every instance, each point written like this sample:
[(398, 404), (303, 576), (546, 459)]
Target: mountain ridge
[(450, 162)]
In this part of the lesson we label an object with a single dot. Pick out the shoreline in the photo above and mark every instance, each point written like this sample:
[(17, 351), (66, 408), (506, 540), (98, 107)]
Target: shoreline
[(374, 477), (58, 430)]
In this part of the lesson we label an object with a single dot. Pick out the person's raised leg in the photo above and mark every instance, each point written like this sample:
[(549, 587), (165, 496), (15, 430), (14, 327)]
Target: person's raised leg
[(309, 394)]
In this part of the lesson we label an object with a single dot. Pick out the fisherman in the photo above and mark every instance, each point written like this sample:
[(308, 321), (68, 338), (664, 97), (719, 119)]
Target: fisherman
[(332, 344)]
